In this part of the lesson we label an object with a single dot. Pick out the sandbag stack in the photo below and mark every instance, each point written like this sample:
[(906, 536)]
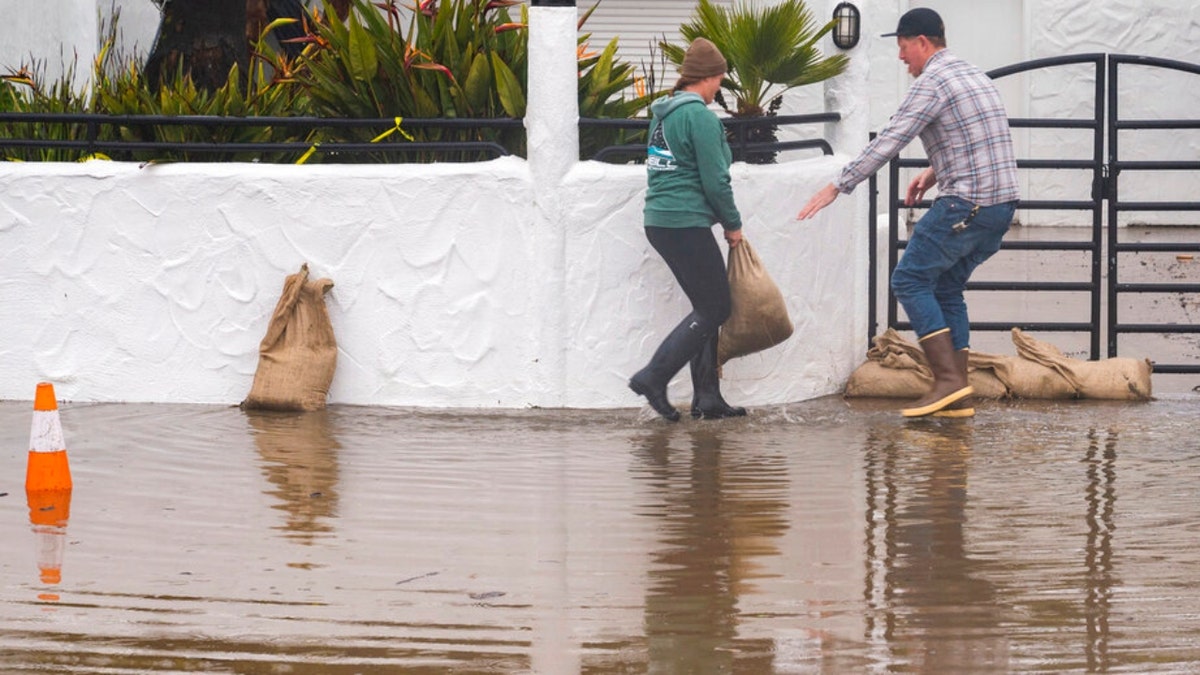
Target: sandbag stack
[(896, 368)]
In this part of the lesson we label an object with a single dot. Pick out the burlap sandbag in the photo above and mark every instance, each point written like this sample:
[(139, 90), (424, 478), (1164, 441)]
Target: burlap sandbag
[(874, 380), (896, 368), (297, 357), (984, 381), (1115, 378), (759, 318), (1020, 378)]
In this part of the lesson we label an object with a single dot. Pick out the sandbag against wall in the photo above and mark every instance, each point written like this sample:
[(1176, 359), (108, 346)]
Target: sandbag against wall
[(895, 368), (759, 317), (298, 355)]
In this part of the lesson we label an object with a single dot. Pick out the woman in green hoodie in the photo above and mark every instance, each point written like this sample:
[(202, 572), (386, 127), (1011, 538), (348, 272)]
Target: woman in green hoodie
[(688, 190)]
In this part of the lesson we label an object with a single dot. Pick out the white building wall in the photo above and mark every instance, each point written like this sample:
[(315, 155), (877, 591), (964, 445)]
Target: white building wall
[(48, 42), (57, 36), (136, 22), (122, 283)]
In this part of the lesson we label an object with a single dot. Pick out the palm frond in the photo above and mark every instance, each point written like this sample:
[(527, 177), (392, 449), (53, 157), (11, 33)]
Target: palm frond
[(770, 50)]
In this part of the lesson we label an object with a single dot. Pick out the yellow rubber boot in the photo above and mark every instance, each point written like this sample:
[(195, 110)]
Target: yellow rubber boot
[(949, 382), (962, 407)]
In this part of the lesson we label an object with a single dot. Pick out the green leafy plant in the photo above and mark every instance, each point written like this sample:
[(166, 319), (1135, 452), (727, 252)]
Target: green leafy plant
[(449, 60), (118, 87), (25, 93), (454, 58), (8, 97), (605, 84), (444, 59), (770, 50), (263, 93)]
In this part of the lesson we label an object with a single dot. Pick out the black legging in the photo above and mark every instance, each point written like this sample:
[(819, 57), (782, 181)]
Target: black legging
[(695, 259)]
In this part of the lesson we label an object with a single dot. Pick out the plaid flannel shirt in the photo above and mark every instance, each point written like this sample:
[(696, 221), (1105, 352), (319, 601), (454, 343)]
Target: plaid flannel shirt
[(957, 111)]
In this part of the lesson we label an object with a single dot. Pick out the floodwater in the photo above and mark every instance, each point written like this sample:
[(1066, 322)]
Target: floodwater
[(828, 536)]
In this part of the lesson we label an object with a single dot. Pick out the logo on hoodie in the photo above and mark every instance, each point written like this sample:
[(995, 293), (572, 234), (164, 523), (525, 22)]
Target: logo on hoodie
[(658, 152)]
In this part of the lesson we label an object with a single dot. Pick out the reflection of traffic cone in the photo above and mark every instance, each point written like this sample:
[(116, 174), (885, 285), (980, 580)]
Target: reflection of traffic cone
[(49, 511), (47, 468)]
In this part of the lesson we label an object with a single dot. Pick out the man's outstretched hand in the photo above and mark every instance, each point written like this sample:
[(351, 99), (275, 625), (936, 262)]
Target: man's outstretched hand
[(818, 201)]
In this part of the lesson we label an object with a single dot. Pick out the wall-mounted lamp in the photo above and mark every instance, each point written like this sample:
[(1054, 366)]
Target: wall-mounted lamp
[(849, 25)]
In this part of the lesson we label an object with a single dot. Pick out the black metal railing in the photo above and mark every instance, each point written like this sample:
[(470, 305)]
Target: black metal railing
[(140, 137), (1117, 247), (738, 131), (290, 138)]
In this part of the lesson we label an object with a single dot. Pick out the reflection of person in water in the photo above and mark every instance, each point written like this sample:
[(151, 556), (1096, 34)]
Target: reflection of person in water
[(718, 510), (299, 452), (931, 604)]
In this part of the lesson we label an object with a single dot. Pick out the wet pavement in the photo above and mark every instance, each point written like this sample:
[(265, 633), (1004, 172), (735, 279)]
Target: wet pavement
[(828, 536)]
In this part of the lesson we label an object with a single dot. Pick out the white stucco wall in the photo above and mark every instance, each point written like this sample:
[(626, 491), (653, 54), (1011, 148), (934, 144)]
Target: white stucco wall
[(614, 281), (58, 35), (122, 283)]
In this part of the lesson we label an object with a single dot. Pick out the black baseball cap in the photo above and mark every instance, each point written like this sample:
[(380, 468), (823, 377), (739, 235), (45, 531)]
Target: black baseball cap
[(919, 21)]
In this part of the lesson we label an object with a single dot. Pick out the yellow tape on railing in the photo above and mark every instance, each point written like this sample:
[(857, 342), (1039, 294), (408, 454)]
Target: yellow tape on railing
[(393, 130), (309, 153), (380, 137)]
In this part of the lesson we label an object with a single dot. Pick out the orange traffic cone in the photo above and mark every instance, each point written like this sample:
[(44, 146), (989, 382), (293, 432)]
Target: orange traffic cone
[(48, 486), (47, 468)]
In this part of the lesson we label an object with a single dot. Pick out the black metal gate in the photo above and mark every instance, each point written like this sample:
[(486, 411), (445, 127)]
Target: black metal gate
[(1104, 207)]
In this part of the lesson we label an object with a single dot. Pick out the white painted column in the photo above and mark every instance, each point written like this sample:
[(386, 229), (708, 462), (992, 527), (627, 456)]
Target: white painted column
[(552, 114), (552, 127), (848, 93)]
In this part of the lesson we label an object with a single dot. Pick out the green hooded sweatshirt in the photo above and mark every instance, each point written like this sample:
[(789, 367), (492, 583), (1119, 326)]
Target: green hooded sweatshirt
[(688, 166)]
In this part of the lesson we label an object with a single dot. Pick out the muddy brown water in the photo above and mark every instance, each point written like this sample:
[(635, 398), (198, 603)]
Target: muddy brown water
[(828, 536)]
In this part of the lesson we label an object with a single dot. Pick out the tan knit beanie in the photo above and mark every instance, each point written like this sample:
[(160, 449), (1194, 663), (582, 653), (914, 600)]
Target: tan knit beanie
[(702, 60)]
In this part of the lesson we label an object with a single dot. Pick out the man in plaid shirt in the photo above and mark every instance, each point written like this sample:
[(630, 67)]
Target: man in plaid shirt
[(960, 118)]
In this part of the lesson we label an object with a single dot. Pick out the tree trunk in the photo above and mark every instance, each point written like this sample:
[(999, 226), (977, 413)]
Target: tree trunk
[(204, 38), (341, 8)]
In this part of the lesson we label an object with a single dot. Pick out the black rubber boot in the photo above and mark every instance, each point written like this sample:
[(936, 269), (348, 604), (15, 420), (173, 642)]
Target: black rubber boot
[(707, 402), (677, 349)]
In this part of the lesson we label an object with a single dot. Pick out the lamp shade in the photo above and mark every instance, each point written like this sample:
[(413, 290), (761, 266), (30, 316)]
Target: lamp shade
[(849, 25)]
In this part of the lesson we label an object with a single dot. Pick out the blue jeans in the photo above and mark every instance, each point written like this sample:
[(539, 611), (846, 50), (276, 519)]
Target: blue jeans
[(940, 256)]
